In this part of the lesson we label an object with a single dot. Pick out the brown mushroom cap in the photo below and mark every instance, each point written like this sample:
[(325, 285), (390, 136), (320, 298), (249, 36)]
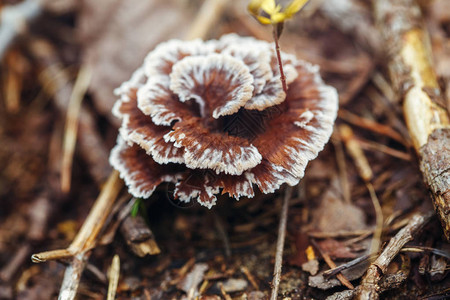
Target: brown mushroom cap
[(212, 117)]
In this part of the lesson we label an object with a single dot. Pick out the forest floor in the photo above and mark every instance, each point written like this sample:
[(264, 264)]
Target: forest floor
[(172, 250)]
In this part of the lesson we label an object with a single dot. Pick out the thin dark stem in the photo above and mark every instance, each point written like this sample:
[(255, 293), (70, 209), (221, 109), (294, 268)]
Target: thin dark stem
[(276, 31), (280, 243)]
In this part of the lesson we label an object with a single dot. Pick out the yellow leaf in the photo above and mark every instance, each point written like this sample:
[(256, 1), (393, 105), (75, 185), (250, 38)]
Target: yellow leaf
[(254, 6), (273, 12), (264, 20), (294, 7), (278, 17), (269, 6)]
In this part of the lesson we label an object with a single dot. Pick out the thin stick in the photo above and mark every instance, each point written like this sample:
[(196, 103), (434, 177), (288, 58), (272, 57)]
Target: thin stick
[(344, 280), (88, 234), (222, 234), (374, 146), (250, 277), (280, 63), (72, 277), (346, 266), (342, 166), (56, 82), (224, 293), (114, 273), (376, 240), (332, 265), (372, 126), (51, 255), (280, 244), (14, 71), (71, 129), (369, 284), (365, 171)]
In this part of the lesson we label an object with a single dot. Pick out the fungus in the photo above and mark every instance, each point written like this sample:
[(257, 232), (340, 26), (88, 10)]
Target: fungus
[(212, 117)]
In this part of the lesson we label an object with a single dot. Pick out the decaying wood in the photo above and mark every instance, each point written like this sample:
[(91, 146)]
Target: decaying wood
[(411, 71), (369, 287), (138, 236)]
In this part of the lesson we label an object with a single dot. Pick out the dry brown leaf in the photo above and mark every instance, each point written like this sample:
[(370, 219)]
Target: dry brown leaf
[(334, 215), (336, 249)]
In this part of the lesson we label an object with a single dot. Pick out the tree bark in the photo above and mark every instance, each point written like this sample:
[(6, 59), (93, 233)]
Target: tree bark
[(412, 74)]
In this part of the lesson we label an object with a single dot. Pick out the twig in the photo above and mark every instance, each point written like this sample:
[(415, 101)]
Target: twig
[(224, 293), (332, 265), (420, 249), (339, 275), (208, 16), (14, 20), (114, 273), (88, 234), (364, 170), (376, 241), (250, 277), (372, 126), (383, 85), (412, 74), (71, 129), (72, 277), (280, 244), (223, 234), (86, 238), (339, 234), (342, 166), (355, 151), (348, 265), (369, 285), (61, 90), (371, 145), (15, 68)]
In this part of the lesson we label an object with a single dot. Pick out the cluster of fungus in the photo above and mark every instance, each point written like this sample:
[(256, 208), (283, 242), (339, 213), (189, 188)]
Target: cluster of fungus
[(212, 117)]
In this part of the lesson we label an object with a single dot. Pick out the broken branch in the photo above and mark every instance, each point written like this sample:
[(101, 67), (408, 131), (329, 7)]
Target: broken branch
[(412, 74), (369, 285)]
